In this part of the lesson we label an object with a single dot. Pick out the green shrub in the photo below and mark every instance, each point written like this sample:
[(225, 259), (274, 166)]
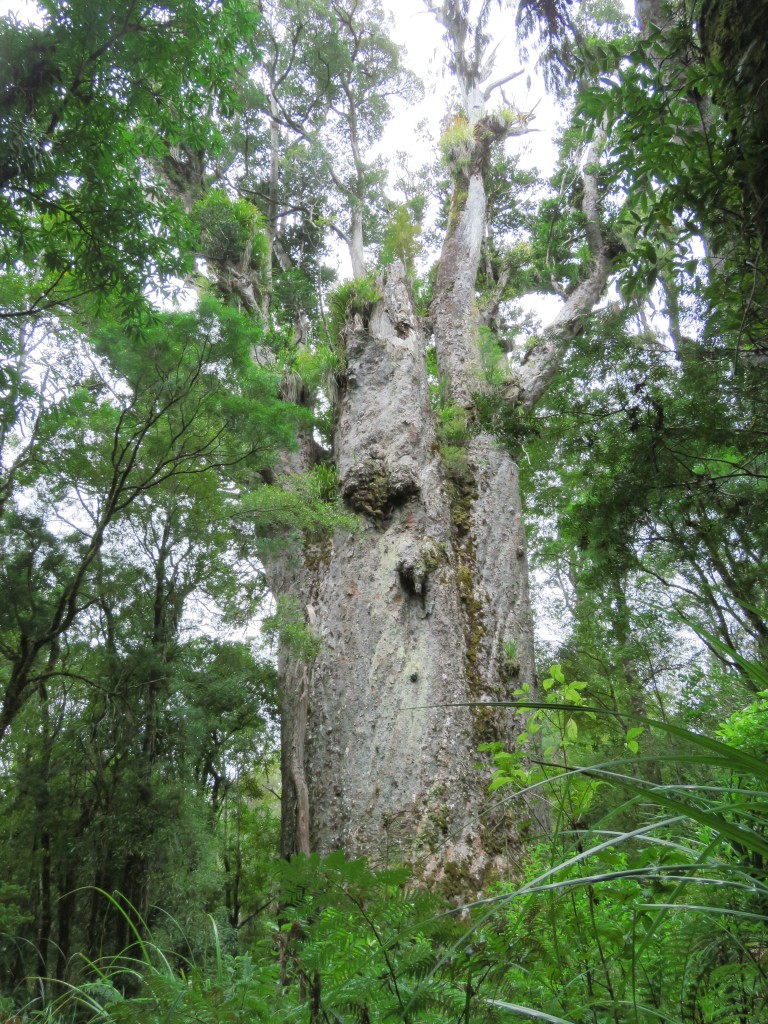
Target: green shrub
[(457, 144)]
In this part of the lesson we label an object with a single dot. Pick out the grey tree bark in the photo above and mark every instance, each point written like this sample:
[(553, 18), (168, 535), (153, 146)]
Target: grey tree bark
[(423, 612), (651, 14), (414, 611)]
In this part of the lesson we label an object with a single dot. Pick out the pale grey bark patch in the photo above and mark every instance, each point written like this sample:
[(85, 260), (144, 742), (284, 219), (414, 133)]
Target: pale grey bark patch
[(298, 774), (651, 14), (356, 244), (500, 553), (381, 440)]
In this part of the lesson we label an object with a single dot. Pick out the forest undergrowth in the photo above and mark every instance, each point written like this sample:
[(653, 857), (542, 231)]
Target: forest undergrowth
[(648, 902)]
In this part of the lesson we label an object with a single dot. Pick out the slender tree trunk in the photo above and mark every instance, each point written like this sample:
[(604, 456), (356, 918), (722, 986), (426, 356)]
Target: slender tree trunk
[(273, 200), (66, 908), (454, 307), (356, 245), (43, 809), (46, 908)]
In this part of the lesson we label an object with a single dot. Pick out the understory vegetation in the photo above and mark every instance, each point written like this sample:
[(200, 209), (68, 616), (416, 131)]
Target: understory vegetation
[(175, 180), (647, 902)]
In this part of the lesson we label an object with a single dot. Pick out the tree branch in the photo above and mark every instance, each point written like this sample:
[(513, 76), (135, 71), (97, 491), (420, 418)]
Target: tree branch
[(543, 360), (501, 81)]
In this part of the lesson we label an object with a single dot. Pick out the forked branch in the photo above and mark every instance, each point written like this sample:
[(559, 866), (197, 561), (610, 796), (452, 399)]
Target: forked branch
[(544, 358)]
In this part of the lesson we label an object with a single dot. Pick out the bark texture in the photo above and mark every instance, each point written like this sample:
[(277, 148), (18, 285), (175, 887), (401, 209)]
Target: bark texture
[(454, 307), (417, 612), (652, 14)]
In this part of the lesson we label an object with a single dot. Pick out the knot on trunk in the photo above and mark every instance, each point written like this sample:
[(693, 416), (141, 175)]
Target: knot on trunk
[(416, 562), (375, 489)]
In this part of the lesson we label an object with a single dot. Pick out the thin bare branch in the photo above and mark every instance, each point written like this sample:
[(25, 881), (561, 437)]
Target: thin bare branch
[(502, 81)]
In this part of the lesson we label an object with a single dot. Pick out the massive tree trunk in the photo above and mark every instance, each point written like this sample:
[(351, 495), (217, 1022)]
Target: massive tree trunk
[(418, 611)]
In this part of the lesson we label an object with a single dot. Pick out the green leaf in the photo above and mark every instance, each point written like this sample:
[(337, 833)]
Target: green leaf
[(527, 1011)]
